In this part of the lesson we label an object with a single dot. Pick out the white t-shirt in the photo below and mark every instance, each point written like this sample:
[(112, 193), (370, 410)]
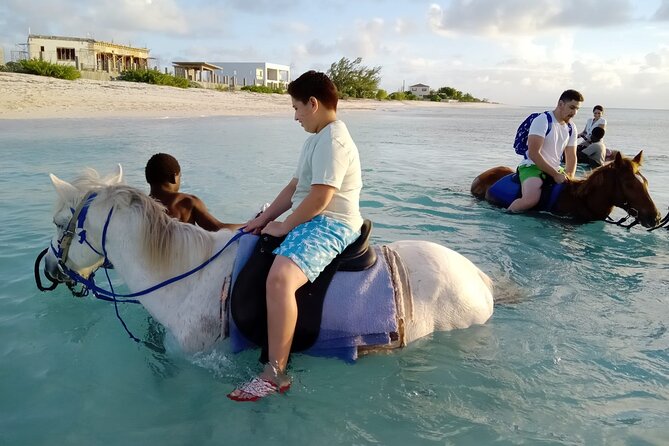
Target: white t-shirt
[(590, 124), (331, 157), (556, 140)]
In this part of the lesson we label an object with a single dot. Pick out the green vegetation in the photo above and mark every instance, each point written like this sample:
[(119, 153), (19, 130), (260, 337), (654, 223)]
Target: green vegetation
[(43, 68), (450, 93), (381, 94), (354, 80), (403, 96), (263, 89), (155, 77)]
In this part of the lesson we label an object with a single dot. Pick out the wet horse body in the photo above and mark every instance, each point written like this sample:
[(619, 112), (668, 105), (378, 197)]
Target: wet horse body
[(616, 184)]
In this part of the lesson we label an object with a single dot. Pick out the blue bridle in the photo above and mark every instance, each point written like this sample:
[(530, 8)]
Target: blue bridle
[(88, 284)]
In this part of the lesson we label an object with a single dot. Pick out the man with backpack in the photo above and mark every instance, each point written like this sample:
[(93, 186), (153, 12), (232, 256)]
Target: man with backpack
[(549, 134)]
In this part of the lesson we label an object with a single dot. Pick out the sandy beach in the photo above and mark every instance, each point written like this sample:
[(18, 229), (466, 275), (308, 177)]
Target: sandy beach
[(24, 96)]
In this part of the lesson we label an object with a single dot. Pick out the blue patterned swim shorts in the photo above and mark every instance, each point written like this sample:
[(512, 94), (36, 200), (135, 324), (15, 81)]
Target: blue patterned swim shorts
[(313, 244)]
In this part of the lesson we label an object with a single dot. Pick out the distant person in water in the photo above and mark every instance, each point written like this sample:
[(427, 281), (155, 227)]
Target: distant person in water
[(163, 174), (597, 120), (595, 153)]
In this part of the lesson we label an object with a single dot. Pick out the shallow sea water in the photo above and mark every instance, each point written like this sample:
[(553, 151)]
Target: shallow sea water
[(582, 357)]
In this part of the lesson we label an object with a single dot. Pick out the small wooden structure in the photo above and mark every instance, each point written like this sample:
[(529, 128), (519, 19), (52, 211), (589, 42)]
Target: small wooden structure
[(197, 71)]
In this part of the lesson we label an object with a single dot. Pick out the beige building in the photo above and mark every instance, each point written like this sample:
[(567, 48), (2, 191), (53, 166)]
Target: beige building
[(87, 54)]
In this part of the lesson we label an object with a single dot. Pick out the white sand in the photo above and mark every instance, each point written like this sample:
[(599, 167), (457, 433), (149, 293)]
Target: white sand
[(24, 96)]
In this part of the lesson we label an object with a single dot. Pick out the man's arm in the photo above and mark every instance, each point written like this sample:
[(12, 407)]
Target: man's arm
[(534, 143), (570, 160), (205, 220), (313, 204)]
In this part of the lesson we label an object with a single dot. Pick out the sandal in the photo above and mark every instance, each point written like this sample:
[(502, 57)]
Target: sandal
[(256, 389)]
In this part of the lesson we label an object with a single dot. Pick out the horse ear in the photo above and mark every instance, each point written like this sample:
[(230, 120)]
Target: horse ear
[(638, 159), (63, 188), (618, 159), (118, 177)]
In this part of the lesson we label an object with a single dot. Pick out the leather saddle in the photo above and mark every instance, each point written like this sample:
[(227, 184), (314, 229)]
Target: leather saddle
[(248, 305)]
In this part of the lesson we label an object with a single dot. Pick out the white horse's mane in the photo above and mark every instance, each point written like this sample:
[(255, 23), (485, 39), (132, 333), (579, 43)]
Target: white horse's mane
[(168, 244)]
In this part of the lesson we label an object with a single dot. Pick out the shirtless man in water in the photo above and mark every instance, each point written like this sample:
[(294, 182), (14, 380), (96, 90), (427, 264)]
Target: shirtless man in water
[(163, 174)]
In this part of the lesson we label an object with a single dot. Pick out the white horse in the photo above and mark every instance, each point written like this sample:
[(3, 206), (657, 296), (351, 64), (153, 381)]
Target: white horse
[(147, 247)]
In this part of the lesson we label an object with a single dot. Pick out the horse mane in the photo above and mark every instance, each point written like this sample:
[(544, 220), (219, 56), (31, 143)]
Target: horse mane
[(168, 244), (597, 178)]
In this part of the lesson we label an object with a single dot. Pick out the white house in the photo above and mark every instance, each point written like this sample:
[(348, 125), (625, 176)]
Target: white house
[(254, 73), (86, 54), (420, 90)]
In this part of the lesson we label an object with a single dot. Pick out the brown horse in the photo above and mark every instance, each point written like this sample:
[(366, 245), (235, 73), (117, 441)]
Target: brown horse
[(618, 183)]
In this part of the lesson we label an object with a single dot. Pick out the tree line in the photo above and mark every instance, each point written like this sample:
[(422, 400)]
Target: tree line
[(354, 80)]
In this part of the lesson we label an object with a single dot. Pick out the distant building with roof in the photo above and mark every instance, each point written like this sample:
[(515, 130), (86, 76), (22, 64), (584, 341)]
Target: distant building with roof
[(420, 90), (197, 71), (86, 53), (254, 73)]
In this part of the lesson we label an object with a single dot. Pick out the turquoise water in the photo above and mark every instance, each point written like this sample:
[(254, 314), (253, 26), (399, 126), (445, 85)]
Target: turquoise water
[(582, 357)]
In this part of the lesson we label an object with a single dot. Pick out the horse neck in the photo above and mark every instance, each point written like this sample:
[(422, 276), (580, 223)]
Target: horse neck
[(199, 292), (597, 204)]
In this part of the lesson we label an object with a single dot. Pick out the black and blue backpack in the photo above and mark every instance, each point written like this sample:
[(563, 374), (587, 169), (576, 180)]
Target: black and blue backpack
[(520, 143)]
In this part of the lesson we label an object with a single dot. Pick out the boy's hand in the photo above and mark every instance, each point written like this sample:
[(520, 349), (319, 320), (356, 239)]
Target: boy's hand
[(275, 228)]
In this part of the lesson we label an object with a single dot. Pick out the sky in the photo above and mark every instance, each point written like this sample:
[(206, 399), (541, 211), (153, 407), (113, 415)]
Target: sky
[(516, 52)]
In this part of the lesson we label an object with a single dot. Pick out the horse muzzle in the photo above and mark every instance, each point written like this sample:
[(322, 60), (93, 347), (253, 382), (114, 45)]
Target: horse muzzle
[(650, 220), (54, 271)]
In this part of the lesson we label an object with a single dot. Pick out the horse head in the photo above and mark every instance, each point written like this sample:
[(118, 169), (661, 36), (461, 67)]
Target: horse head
[(622, 181), (72, 249)]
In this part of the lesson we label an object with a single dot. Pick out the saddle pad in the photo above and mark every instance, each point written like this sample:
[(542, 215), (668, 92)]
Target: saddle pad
[(507, 189), (359, 309)]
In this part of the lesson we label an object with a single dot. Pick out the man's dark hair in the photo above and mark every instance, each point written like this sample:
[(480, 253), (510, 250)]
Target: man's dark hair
[(161, 168), (598, 107), (316, 84), (597, 134), (571, 95)]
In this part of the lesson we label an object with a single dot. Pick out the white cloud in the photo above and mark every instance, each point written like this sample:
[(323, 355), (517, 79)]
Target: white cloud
[(494, 17), (662, 13)]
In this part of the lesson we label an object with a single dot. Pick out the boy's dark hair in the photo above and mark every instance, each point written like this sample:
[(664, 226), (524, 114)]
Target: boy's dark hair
[(598, 107), (316, 84), (571, 95), (161, 168), (597, 134)]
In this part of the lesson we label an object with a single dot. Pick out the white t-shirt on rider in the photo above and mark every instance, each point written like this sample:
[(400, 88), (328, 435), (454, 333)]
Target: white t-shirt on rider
[(556, 140), (591, 124), (331, 157)]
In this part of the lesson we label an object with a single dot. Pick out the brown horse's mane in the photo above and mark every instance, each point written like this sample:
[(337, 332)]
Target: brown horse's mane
[(598, 177)]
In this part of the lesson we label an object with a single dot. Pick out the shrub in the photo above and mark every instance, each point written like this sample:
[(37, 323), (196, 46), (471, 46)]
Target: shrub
[(43, 68), (154, 77), (263, 89), (381, 94)]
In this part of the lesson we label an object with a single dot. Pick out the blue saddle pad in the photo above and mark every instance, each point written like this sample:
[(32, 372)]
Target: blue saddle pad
[(359, 309), (507, 189)]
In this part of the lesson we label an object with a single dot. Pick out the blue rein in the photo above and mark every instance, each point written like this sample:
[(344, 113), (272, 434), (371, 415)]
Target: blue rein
[(110, 295)]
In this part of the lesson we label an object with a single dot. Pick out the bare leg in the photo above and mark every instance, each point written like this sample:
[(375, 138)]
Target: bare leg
[(531, 194), (284, 279)]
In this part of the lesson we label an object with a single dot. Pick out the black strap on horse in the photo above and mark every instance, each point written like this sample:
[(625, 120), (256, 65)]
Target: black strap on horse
[(664, 223), (622, 222), (38, 279)]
